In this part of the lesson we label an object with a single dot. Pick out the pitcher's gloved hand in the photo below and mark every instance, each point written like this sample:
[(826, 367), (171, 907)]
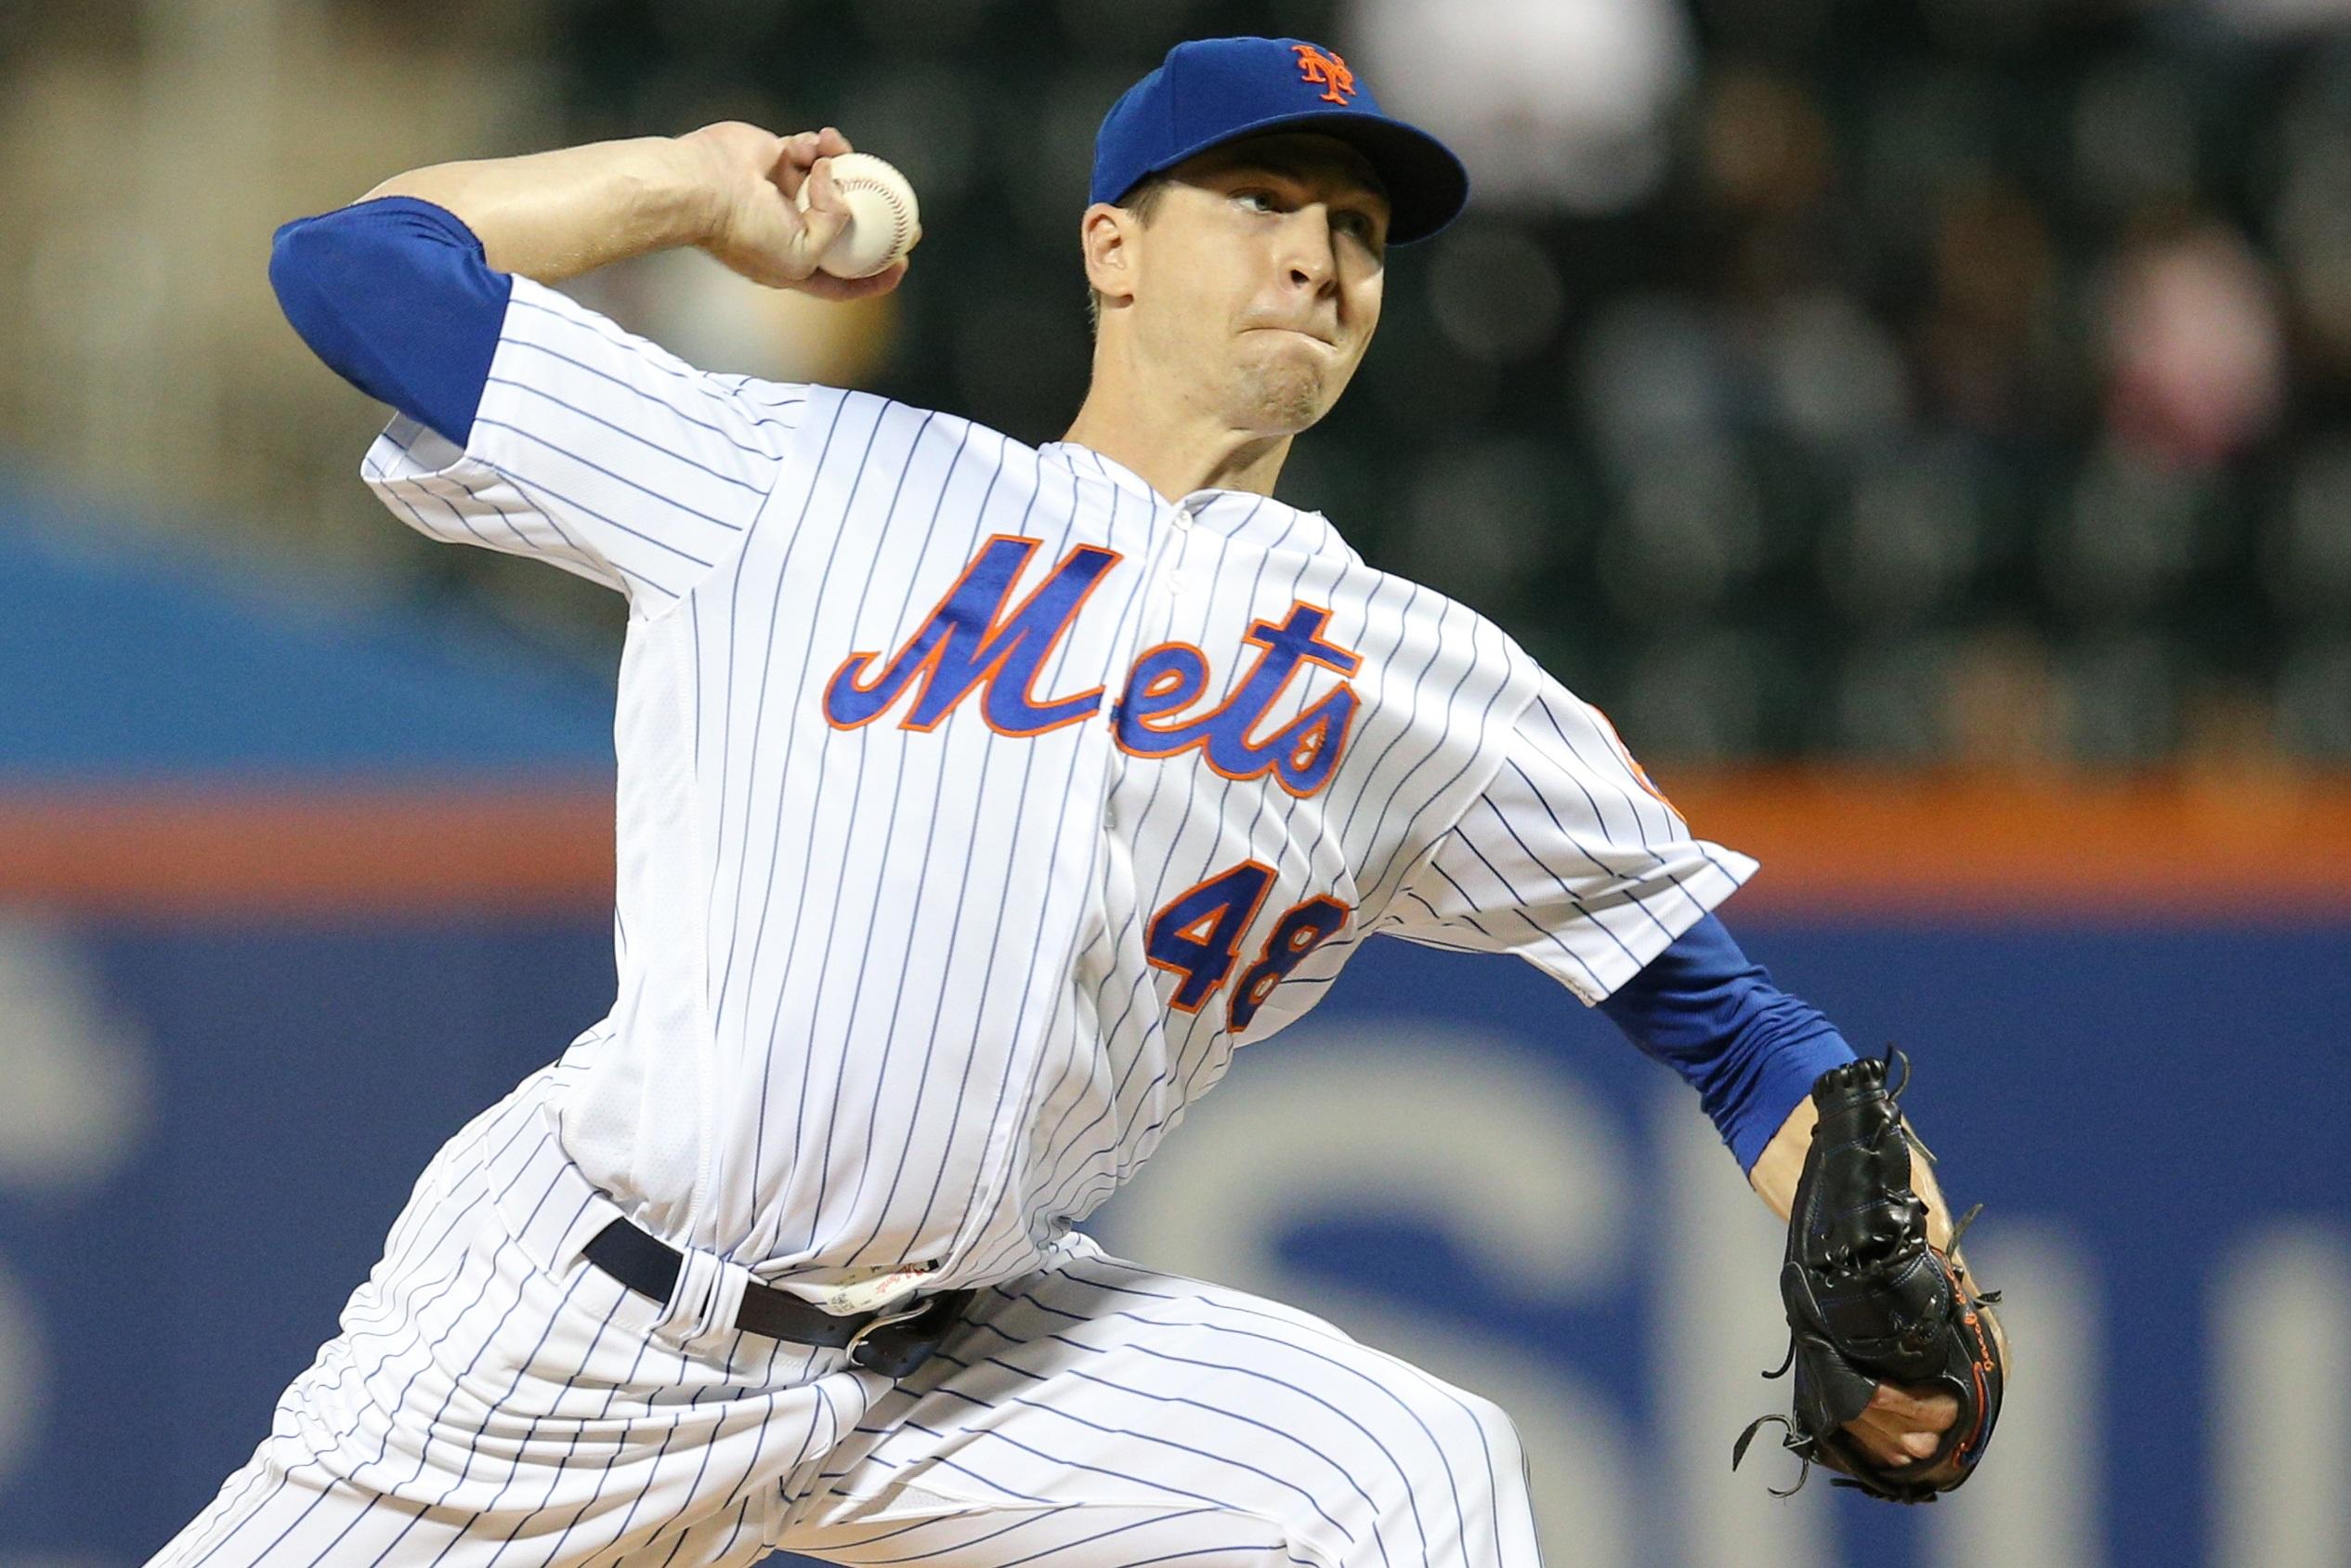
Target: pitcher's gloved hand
[(1869, 1303)]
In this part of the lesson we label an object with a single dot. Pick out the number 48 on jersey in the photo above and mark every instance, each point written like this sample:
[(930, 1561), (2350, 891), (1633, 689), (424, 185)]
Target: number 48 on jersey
[(1198, 933)]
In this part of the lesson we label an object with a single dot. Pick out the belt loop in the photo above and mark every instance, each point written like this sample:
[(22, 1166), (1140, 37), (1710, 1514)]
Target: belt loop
[(708, 1297)]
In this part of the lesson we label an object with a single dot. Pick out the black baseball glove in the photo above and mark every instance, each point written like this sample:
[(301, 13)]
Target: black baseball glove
[(1870, 1301)]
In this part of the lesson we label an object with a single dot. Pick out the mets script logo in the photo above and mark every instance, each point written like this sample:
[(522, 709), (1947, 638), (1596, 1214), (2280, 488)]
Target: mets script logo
[(974, 639), (1327, 71)]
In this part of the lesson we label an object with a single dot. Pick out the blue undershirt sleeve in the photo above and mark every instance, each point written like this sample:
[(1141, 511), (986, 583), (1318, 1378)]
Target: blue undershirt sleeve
[(1750, 1049), (397, 297)]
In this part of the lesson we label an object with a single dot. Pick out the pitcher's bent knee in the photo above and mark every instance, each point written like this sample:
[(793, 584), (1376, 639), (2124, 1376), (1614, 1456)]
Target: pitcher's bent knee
[(1476, 1511)]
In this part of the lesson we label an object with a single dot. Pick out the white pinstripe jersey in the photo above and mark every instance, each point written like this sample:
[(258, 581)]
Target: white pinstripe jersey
[(976, 802)]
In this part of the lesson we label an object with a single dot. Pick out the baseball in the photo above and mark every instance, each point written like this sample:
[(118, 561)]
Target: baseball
[(883, 217)]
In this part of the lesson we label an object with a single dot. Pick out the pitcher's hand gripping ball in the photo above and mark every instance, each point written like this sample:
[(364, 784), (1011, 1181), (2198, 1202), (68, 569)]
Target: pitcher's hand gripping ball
[(883, 221), (1869, 1301)]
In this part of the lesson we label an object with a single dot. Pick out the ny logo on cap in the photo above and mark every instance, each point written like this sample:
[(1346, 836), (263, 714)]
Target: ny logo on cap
[(1327, 71)]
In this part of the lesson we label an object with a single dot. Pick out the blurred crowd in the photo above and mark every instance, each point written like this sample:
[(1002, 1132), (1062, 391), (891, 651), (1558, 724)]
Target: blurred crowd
[(1942, 381)]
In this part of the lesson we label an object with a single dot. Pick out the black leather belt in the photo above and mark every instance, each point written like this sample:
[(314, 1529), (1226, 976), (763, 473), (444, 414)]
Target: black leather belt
[(892, 1342)]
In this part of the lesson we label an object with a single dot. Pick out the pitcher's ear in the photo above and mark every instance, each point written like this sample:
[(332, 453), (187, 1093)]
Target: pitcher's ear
[(1105, 235)]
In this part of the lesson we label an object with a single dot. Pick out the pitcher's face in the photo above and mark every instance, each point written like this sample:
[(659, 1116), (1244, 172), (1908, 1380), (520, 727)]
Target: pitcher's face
[(1258, 278)]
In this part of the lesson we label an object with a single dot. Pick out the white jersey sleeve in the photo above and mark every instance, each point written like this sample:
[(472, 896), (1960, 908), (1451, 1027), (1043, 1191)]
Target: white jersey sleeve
[(596, 450), (1571, 858)]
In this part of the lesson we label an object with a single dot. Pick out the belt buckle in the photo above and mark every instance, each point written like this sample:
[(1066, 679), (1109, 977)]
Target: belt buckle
[(916, 1332), (894, 1360)]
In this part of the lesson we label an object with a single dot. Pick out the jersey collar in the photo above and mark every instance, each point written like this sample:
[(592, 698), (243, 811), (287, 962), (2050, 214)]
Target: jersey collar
[(1244, 517)]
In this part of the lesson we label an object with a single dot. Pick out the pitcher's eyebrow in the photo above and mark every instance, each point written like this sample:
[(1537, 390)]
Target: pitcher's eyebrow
[(1300, 163)]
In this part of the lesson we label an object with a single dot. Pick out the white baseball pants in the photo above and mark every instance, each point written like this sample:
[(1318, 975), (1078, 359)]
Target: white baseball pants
[(494, 1399)]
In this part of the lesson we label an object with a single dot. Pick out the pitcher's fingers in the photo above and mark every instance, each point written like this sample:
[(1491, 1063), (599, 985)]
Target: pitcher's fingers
[(791, 167), (1933, 1410), (823, 215), (1921, 1444), (1879, 1444), (824, 191), (1896, 1432), (824, 285)]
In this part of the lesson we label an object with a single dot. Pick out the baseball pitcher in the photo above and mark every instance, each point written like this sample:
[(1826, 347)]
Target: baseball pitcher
[(976, 803)]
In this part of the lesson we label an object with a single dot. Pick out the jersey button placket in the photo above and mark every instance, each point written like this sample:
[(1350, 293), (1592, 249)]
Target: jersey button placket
[(1181, 520)]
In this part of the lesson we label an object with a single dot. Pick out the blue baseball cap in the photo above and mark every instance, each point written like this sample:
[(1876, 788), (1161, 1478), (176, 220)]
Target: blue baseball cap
[(1216, 90)]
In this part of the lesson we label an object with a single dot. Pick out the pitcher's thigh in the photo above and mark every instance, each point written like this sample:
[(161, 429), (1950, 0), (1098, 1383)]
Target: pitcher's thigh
[(479, 1407), (1107, 1414), (272, 1513)]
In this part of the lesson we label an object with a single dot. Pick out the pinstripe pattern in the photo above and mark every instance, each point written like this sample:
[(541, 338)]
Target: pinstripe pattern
[(493, 1400), (888, 1016), (1566, 860), (885, 1006), (889, 1013), (1100, 1413)]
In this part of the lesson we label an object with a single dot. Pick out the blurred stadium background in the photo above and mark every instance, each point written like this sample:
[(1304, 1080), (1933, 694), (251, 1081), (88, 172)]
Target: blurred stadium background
[(1926, 427)]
